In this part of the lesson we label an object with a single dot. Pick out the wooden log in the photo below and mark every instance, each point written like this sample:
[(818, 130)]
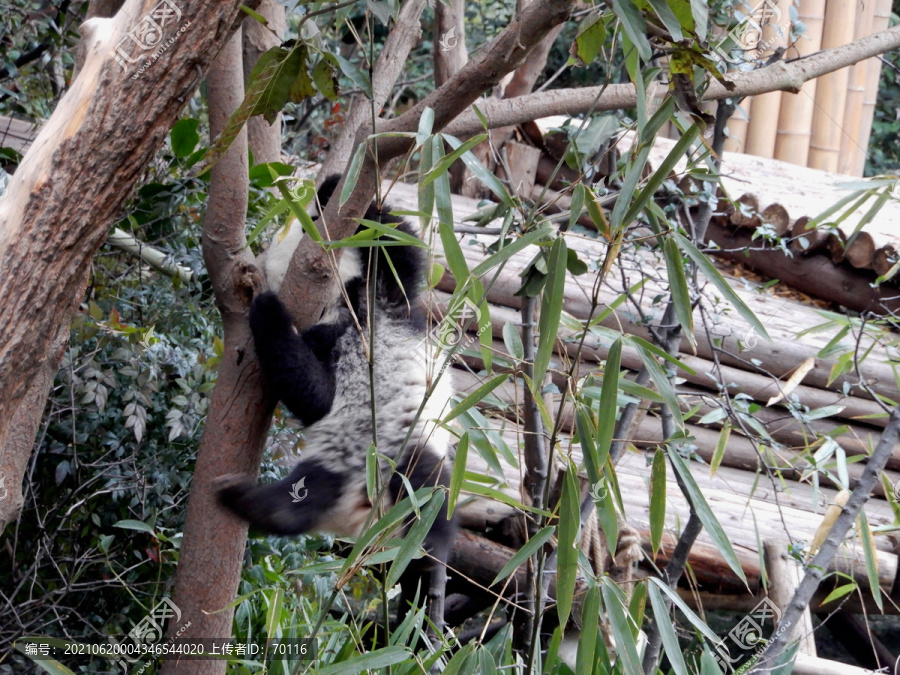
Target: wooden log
[(522, 161), (855, 438), (860, 251), (784, 577), (743, 454), (777, 216), (813, 665), (885, 259), (741, 217), (759, 387), (837, 246), (814, 274), (814, 239)]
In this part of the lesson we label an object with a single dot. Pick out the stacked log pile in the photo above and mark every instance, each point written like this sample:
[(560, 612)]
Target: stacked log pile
[(753, 503)]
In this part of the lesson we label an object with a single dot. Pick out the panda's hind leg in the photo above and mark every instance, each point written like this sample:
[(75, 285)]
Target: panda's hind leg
[(287, 507)]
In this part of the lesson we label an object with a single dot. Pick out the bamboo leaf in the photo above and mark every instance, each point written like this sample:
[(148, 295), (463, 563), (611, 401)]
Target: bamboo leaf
[(689, 614), (840, 592), (667, 16), (706, 515), (380, 658), (657, 500), (443, 165), (666, 631), (584, 426), (587, 643), (551, 311), (352, 177), (455, 258), (459, 472), (412, 542), (609, 406), (487, 178), (513, 341), (719, 452), (510, 250), (476, 396), (531, 547), (633, 173), (681, 296), (661, 380), (273, 615), (567, 551), (485, 491), (619, 622), (711, 273), (659, 175), (441, 183), (426, 125), (634, 25), (871, 556)]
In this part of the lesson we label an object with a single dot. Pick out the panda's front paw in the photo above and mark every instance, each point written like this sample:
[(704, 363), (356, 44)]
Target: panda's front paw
[(269, 316)]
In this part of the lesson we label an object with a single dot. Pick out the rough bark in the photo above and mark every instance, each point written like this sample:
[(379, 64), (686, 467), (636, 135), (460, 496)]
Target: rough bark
[(110, 123), (239, 413), (450, 53)]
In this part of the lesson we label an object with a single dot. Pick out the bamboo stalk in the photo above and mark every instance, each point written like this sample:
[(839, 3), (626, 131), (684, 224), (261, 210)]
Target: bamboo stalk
[(796, 114), (738, 126), (880, 21), (763, 129), (831, 92), (784, 577), (851, 146)]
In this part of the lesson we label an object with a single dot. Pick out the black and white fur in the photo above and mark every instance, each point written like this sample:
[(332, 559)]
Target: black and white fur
[(322, 376)]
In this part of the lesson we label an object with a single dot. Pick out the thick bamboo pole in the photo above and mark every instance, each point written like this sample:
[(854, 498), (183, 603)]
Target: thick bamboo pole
[(851, 146), (831, 92), (873, 75), (763, 129), (784, 577), (795, 117)]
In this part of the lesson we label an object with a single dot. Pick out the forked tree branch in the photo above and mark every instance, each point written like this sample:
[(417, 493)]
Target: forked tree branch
[(815, 569)]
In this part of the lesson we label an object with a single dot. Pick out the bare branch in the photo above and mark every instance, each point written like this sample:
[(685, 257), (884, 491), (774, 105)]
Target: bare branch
[(815, 570), (786, 76), (403, 37)]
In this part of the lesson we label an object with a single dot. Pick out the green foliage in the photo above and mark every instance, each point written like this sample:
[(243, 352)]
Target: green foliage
[(883, 154)]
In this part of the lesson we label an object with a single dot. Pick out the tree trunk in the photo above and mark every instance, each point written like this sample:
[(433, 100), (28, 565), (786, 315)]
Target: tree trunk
[(239, 414), (111, 122)]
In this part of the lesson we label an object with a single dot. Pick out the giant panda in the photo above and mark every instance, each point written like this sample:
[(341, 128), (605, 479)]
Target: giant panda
[(322, 376)]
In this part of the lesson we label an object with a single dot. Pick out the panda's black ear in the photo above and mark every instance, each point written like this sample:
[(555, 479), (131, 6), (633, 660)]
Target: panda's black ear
[(326, 190)]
